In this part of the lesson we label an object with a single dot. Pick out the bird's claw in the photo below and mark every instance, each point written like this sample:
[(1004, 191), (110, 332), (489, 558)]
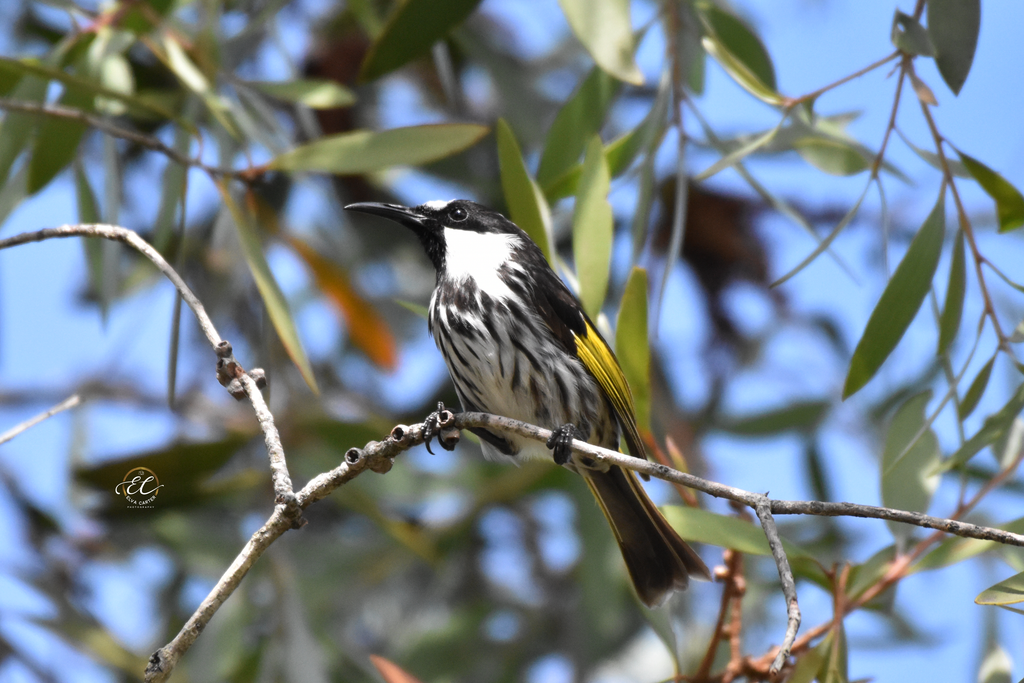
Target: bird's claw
[(560, 442), (439, 424)]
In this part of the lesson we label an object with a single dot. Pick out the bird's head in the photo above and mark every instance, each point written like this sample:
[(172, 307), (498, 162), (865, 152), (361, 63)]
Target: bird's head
[(458, 235)]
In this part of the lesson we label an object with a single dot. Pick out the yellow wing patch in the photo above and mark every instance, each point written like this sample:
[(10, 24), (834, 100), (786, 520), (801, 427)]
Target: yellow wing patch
[(595, 355)]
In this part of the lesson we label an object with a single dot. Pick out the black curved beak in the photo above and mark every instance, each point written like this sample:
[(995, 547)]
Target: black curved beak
[(395, 212)]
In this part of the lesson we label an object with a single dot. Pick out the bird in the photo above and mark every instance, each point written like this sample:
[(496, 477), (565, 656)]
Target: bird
[(518, 343)]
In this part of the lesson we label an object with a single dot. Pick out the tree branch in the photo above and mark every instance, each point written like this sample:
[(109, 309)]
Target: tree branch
[(99, 123), (379, 456), (69, 402)]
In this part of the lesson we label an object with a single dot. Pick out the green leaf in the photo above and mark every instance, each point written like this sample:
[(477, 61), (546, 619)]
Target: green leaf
[(592, 228), (56, 143), (976, 390), (16, 128), (933, 160), (738, 154), (411, 30), (953, 27), (704, 526), (364, 151), (801, 416), (863, 576), (193, 78), (949, 321), (46, 73), (183, 469), (956, 549), (632, 346), (739, 51), (526, 204), (1007, 592), (314, 93), (835, 668), (993, 429), (824, 244), (1017, 336), (1009, 201), (644, 204), (606, 31), (900, 301), (996, 667), (910, 37), (88, 212), (579, 120), (412, 307), (620, 152), (832, 156), (273, 297), (9, 78), (908, 478), (807, 666)]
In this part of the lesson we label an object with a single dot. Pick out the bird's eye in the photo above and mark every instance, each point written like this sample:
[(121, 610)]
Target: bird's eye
[(458, 214)]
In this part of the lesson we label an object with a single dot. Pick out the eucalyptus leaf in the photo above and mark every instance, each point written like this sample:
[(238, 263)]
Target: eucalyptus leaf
[(993, 429), (592, 228), (908, 477), (740, 52), (632, 346), (270, 291), (800, 416), (976, 390), (952, 310), (411, 29), (824, 244), (910, 37), (832, 156), (1007, 592), (1009, 201), (579, 120), (605, 29), (315, 94), (953, 27), (526, 204), (56, 143), (89, 212), (364, 151), (900, 301)]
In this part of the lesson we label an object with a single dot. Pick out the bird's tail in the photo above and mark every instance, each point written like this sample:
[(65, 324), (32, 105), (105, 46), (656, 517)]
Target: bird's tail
[(659, 562)]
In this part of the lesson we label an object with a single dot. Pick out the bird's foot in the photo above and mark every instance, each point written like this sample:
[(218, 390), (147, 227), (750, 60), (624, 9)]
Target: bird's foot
[(560, 442), (439, 424)]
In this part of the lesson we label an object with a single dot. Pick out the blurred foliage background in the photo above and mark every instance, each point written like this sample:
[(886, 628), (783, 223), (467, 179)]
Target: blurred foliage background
[(820, 326)]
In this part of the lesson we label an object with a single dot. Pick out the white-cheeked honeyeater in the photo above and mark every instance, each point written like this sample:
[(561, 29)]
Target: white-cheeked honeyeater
[(517, 343)]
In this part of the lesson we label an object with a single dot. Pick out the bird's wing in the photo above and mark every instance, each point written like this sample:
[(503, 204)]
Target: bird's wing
[(571, 326)]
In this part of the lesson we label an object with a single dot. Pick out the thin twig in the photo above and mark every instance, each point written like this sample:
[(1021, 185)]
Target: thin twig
[(376, 456), (771, 532), (283, 492), (132, 239), (99, 123), (69, 402), (968, 228), (789, 102), (748, 498)]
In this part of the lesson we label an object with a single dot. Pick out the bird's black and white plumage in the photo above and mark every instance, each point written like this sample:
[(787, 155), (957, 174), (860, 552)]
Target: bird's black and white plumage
[(517, 343)]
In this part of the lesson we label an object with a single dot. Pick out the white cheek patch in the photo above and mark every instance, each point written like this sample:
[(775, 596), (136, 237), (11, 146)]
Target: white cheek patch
[(438, 204), (478, 256)]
